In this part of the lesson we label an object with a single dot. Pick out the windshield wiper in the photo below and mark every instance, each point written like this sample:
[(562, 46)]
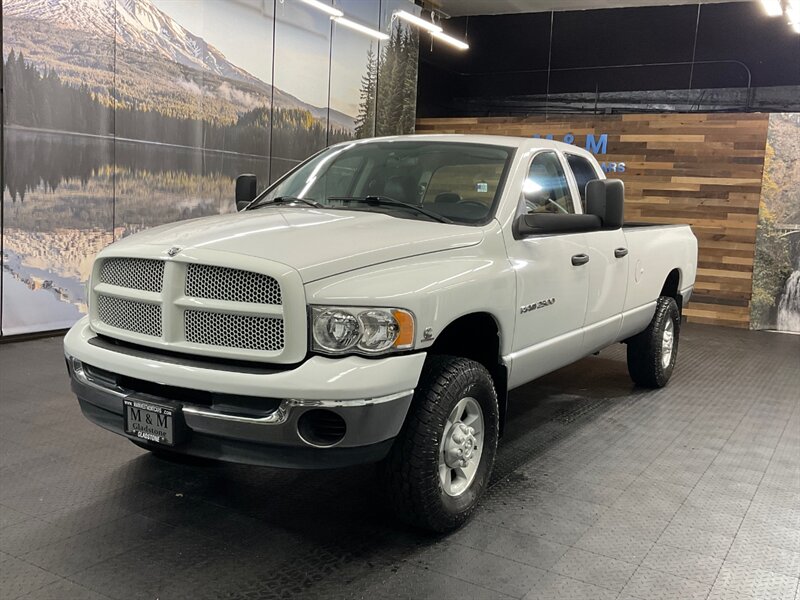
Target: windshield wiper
[(386, 201), (288, 200)]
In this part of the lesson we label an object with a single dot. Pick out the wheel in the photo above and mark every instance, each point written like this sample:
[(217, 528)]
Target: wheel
[(652, 353), (441, 461)]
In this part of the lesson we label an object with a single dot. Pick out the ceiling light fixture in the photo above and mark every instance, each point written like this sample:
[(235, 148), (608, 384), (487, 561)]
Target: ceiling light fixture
[(326, 8), (450, 40), (432, 27), (793, 13), (359, 27), (407, 16), (772, 7)]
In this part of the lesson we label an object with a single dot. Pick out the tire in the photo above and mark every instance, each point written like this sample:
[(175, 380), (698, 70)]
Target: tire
[(651, 357), (415, 473)]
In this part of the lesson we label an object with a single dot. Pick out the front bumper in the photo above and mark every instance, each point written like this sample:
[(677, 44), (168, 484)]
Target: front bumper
[(377, 397)]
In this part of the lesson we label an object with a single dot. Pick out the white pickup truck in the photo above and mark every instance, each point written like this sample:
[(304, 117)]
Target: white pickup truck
[(376, 304)]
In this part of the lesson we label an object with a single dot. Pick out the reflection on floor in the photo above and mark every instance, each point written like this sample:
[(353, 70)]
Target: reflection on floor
[(601, 491)]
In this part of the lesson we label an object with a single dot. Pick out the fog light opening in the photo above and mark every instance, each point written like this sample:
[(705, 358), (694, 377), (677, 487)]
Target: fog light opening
[(321, 428)]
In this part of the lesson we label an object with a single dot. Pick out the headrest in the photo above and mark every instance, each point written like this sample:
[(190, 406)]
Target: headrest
[(401, 187)]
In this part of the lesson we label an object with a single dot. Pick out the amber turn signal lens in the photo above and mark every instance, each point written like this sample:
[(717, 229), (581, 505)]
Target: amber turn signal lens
[(405, 322)]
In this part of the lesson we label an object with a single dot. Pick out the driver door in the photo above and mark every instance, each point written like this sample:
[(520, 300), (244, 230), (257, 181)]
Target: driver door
[(552, 280)]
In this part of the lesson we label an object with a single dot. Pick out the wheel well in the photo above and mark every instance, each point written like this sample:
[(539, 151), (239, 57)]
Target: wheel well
[(476, 336), (671, 287)]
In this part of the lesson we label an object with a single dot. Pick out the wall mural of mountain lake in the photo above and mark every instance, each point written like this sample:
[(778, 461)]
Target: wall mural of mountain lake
[(124, 114)]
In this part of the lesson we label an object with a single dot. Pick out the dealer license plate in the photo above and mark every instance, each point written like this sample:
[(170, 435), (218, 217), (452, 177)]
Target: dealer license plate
[(148, 421)]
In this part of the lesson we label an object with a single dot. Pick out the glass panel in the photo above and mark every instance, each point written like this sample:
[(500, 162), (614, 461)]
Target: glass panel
[(354, 73), (58, 157), (300, 115), (546, 189), (458, 181), (397, 71), (584, 173), (177, 157)]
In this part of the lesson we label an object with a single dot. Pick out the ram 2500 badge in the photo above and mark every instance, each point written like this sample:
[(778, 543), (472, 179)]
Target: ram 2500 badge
[(376, 304)]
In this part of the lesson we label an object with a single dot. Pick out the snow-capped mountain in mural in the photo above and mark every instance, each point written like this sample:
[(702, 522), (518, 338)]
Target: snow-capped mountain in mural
[(81, 39)]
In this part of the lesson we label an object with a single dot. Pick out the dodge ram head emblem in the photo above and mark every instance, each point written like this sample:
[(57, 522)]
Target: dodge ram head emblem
[(173, 251)]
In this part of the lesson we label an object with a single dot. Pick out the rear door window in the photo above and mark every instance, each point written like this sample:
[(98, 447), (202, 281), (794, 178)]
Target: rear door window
[(584, 172)]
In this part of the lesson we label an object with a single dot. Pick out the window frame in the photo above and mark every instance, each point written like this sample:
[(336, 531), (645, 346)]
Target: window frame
[(571, 185), (598, 175)]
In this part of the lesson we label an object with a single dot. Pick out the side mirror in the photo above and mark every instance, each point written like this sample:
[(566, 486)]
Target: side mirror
[(551, 223), (246, 190), (605, 198)]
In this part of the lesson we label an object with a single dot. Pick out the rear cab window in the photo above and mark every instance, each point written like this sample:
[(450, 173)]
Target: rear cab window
[(476, 183)]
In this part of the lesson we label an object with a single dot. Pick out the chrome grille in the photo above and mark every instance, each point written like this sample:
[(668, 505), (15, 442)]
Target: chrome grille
[(233, 285), (139, 317), (234, 331), (134, 273)]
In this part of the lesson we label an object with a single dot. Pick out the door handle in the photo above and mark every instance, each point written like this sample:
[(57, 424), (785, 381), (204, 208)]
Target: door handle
[(580, 259), (620, 252)]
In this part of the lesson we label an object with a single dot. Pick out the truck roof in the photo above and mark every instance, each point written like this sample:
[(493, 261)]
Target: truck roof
[(525, 143)]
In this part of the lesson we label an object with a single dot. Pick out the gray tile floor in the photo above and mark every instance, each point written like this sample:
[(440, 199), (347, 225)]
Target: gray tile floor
[(601, 491)]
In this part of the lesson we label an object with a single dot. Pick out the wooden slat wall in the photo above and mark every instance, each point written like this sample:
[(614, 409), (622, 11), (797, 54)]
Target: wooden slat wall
[(701, 169)]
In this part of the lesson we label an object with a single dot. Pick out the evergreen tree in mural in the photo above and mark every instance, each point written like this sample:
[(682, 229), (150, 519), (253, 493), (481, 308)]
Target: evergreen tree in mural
[(397, 83), (365, 120), (392, 80), (39, 99)]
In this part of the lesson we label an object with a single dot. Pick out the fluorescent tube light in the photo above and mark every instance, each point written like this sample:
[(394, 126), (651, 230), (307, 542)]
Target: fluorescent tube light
[(793, 12), (772, 7), (450, 40), (407, 16), (326, 8), (362, 28)]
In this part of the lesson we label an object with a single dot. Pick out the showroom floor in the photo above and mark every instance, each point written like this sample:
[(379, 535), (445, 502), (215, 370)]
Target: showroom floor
[(600, 491)]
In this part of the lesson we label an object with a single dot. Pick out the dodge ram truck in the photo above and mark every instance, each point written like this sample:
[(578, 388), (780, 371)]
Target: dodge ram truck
[(376, 304)]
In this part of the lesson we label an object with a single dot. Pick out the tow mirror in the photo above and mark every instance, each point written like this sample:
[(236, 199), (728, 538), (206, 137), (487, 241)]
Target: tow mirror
[(246, 190), (552, 223), (605, 198)]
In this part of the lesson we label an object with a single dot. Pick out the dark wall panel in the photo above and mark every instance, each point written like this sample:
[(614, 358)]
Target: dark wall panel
[(623, 36), (742, 32), (511, 63)]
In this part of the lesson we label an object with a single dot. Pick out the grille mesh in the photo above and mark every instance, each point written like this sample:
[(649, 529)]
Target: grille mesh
[(234, 285), (234, 331), (134, 273), (139, 317)]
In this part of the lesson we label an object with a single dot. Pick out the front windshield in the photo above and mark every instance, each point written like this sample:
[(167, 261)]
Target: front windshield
[(459, 182)]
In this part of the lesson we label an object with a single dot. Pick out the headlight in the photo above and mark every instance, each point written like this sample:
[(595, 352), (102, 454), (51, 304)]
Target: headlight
[(341, 329)]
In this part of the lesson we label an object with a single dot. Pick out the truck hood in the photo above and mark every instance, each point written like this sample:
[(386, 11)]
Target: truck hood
[(317, 242)]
